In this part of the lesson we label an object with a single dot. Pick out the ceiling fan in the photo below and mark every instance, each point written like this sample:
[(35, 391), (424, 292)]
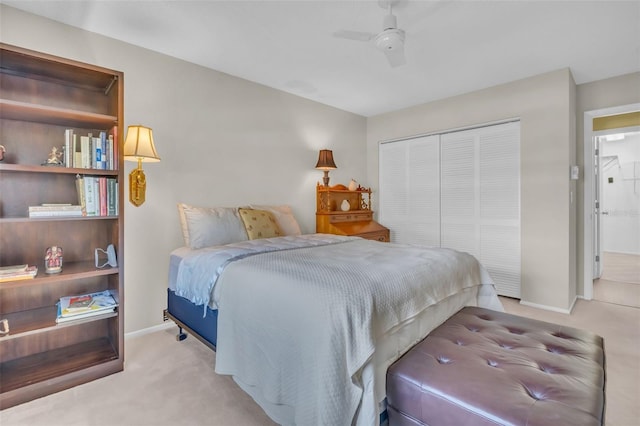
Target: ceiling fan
[(390, 40)]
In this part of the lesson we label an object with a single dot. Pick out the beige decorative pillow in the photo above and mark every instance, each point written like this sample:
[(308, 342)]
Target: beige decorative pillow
[(284, 218), (259, 223), (210, 226)]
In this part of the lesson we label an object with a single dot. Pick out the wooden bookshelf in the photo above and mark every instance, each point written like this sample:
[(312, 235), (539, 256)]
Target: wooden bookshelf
[(40, 97)]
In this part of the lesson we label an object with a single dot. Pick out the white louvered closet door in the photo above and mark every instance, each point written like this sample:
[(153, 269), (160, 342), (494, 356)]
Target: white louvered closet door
[(480, 199), (500, 205), (459, 190), (459, 201), (410, 190)]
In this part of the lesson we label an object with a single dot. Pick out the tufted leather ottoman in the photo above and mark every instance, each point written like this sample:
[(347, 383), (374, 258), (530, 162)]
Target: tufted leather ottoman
[(482, 367)]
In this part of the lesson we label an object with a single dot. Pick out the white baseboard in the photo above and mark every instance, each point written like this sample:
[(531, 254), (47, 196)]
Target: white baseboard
[(551, 308), (631, 253), (153, 329)]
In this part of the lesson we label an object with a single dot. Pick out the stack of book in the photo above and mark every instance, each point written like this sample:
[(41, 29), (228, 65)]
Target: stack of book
[(58, 210), (17, 272), (91, 152), (85, 305), (98, 195)]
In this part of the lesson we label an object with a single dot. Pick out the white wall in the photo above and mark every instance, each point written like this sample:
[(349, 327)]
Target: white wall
[(545, 104), (223, 141), (620, 198)]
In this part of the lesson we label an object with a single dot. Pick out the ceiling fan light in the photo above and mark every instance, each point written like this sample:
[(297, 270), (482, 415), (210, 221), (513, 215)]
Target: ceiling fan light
[(390, 40)]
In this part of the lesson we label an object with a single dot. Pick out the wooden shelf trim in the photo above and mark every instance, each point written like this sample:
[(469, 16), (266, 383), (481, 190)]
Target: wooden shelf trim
[(15, 110)]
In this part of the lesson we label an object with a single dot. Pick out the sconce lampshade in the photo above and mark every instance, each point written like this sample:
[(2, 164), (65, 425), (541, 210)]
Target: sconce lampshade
[(326, 163), (138, 146)]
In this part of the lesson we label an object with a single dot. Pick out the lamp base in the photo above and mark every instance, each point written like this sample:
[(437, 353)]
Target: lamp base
[(325, 178), (137, 187)]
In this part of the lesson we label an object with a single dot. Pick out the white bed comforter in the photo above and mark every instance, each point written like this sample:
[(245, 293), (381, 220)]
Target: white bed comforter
[(297, 326), (200, 269)]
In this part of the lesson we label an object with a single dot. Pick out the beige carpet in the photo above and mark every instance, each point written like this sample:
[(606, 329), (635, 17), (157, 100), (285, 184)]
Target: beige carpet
[(173, 383)]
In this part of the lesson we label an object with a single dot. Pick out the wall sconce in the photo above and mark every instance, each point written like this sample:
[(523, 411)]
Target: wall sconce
[(138, 146), (325, 163)]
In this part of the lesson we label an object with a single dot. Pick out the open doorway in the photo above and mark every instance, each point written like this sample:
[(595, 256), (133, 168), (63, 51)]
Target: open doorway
[(617, 227), (611, 217)]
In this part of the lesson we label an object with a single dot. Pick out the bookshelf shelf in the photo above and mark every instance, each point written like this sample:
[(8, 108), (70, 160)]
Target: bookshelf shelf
[(70, 271), (43, 320), (54, 219), (44, 99), (14, 110), (57, 363), (54, 170)]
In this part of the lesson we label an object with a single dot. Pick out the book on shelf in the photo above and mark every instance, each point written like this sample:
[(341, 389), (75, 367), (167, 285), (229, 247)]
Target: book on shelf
[(112, 197), (113, 135), (61, 319), (98, 195), (90, 152), (110, 165), (18, 272), (102, 196), (69, 149), (56, 210), (84, 305), (96, 152), (10, 269), (80, 191), (84, 152), (101, 151)]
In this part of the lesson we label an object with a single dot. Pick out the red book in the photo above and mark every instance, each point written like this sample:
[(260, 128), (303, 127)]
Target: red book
[(102, 184)]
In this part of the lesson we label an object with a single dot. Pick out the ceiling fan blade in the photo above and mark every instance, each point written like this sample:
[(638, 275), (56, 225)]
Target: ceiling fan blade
[(354, 35), (395, 57)]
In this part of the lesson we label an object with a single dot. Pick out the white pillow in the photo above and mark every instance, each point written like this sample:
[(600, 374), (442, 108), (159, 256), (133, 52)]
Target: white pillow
[(284, 218), (210, 226)]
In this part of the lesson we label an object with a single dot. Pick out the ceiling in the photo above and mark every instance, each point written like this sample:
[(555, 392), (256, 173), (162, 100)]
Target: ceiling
[(452, 46)]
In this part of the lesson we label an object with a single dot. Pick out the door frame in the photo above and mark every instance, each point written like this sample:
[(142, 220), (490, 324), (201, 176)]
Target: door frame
[(589, 190)]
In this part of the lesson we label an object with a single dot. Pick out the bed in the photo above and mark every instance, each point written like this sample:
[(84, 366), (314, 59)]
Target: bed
[(308, 324)]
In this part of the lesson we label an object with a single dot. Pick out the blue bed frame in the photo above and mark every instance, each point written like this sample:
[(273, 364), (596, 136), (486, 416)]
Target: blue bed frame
[(189, 317)]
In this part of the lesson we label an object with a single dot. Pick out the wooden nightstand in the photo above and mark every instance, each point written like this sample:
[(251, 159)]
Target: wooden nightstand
[(357, 221)]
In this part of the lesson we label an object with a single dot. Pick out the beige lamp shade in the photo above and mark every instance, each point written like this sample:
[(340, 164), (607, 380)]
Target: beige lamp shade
[(138, 145)]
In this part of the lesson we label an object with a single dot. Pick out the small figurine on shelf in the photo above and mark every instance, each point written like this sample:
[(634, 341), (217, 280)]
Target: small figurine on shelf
[(353, 185), (53, 260), (2, 151), (55, 158)]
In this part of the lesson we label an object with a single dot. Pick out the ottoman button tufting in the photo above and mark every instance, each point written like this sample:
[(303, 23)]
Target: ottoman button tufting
[(541, 380)]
